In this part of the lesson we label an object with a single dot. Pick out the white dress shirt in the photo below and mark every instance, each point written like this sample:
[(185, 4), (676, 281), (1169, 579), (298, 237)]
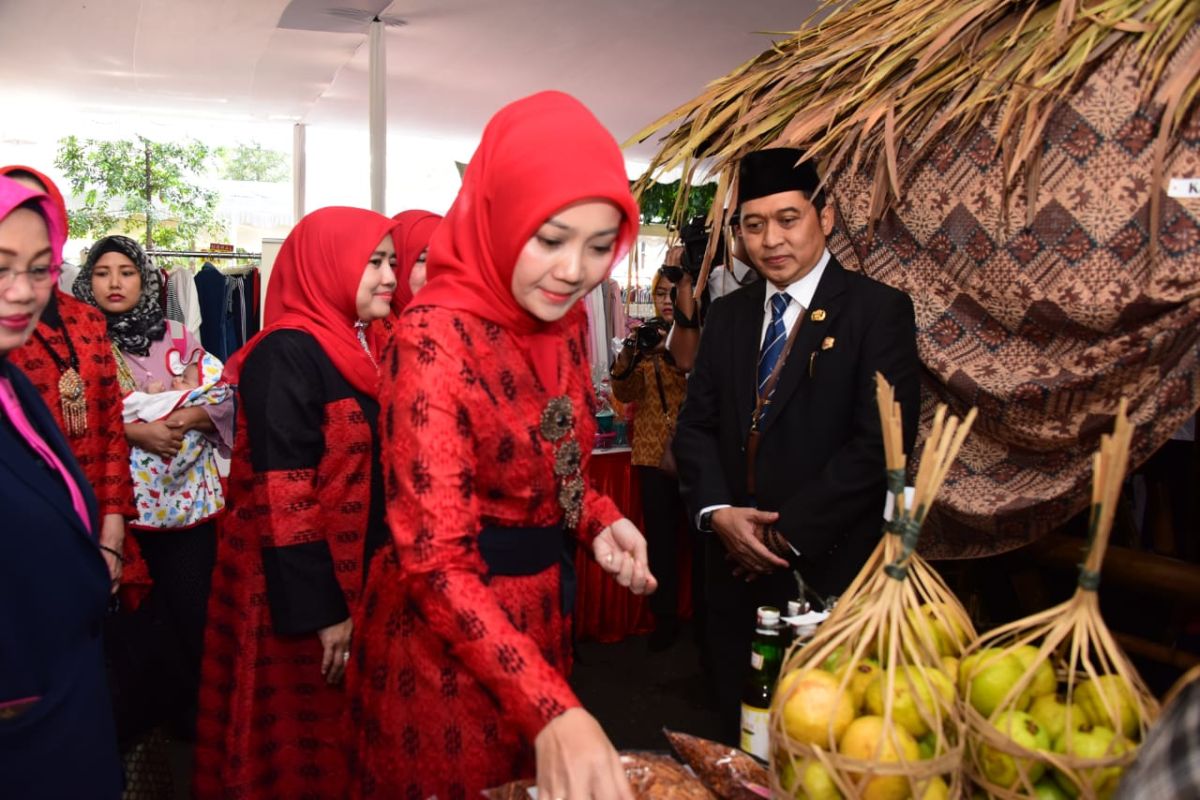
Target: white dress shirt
[(801, 292), (725, 280)]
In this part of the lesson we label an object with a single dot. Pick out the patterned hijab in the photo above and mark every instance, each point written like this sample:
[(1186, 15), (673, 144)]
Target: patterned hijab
[(136, 329)]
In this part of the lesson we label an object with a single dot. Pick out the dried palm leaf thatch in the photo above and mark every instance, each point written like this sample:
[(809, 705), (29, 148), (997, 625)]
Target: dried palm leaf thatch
[(868, 77), (1067, 653), (867, 705)]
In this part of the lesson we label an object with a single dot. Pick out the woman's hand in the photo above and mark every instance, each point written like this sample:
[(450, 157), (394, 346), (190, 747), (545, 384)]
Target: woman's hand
[(621, 550), (336, 641), (575, 760), (163, 438), (192, 419), (112, 541)]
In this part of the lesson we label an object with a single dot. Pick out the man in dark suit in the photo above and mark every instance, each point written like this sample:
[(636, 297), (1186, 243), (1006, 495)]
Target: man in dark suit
[(778, 443)]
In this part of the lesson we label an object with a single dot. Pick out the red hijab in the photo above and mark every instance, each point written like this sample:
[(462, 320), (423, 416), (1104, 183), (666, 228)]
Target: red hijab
[(51, 190), (313, 287), (537, 155), (411, 236)]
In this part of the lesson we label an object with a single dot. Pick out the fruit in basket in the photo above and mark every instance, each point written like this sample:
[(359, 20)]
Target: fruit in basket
[(1044, 681), (813, 703), (927, 745), (1120, 701), (950, 666), (1091, 742), (1005, 770), (998, 672), (834, 660), (947, 633), (1048, 789), (861, 676), (813, 782), (1054, 714), (869, 739), (912, 697), (936, 789)]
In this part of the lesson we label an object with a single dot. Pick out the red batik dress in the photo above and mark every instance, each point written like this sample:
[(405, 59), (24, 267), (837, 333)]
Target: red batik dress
[(456, 671), (70, 325), (304, 501)]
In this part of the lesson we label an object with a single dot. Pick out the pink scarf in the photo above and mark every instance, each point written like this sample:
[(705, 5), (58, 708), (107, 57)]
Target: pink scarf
[(11, 406)]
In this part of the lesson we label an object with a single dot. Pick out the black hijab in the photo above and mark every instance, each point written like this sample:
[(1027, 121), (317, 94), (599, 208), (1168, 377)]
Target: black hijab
[(136, 329)]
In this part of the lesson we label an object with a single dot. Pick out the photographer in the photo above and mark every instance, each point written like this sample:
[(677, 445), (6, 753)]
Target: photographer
[(644, 373), (723, 279)]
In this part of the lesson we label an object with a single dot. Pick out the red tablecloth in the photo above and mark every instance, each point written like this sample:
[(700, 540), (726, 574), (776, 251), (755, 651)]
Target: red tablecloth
[(604, 610)]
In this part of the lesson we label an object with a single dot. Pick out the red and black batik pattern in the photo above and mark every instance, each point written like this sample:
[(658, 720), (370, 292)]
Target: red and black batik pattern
[(454, 671), (289, 562), (101, 450)]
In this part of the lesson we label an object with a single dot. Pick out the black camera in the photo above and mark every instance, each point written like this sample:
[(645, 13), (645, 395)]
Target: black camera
[(694, 238), (650, 334)]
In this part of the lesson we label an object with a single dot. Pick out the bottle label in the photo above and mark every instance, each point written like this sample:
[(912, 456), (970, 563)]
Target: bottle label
[(756, 731), (756, 660)]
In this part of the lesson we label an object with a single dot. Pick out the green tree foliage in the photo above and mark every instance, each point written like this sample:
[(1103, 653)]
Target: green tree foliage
[(657, 201), (253, 162), (135, 187)]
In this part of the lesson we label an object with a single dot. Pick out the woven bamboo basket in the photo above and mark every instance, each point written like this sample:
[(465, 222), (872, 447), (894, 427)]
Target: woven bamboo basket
[(866, 708), (1078, 709)]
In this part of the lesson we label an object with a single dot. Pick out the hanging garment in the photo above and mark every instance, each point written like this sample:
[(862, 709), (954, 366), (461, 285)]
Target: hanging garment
[(182, 303)]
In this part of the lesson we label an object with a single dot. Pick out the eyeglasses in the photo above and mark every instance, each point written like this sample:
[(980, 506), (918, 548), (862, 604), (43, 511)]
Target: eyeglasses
[(37, 276)]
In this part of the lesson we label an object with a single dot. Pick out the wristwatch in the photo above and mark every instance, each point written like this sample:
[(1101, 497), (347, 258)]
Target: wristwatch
[(705, 525)]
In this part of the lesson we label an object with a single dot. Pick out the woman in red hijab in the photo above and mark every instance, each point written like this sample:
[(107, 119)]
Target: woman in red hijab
[(413, 231), (69, 360), (305, 508), (458, 678), (411, 236)]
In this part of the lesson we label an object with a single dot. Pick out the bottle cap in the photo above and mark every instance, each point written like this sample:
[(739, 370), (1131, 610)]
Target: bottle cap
[(768, 616)]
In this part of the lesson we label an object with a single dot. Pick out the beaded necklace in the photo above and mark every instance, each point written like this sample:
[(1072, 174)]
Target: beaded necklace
[(70, 384)]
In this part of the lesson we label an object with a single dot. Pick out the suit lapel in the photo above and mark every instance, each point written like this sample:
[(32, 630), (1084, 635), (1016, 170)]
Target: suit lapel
[(40, 480), (747, 335), (828, 298)]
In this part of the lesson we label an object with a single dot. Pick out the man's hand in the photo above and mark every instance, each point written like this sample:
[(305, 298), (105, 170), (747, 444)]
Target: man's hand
[(685, 303), (741, 531)]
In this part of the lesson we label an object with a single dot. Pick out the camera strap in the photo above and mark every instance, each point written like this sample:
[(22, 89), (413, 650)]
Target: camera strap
[(662, 395), (763, 403)]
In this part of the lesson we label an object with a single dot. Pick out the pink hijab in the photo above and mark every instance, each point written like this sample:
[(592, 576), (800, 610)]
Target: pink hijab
[(14, 195)]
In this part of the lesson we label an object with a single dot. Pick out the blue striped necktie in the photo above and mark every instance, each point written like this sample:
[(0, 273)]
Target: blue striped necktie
[(774, 340)]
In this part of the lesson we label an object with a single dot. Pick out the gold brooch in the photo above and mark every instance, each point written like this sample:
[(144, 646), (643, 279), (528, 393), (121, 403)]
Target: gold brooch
[(567, 458), (818, 315), (570, 498), (557, 418)]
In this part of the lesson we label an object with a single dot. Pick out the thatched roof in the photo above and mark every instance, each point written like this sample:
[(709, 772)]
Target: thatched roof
[(887, 76)]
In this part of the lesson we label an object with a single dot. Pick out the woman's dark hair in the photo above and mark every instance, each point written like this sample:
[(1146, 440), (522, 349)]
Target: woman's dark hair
[(24, 173)]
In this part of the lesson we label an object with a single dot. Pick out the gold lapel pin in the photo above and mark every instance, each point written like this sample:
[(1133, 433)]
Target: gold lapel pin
[(827, 343), (818, 315)]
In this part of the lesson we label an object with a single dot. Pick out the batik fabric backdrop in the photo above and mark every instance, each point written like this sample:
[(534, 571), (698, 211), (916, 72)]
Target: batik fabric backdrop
[(1042, 326)]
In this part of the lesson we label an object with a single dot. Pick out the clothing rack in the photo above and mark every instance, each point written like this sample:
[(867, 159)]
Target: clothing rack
[(202, 254)]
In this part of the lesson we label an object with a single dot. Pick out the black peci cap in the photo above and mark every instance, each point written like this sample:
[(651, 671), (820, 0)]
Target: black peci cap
[(771, 171)]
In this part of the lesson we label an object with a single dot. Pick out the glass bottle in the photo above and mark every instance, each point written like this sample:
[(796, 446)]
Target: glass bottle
[(766, 657)]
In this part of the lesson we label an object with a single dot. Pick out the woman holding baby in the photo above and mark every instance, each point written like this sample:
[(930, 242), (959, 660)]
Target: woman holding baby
[(178, 416)]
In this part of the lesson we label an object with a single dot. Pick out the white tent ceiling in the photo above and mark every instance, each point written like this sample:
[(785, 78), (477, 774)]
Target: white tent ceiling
[(451, 63)]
